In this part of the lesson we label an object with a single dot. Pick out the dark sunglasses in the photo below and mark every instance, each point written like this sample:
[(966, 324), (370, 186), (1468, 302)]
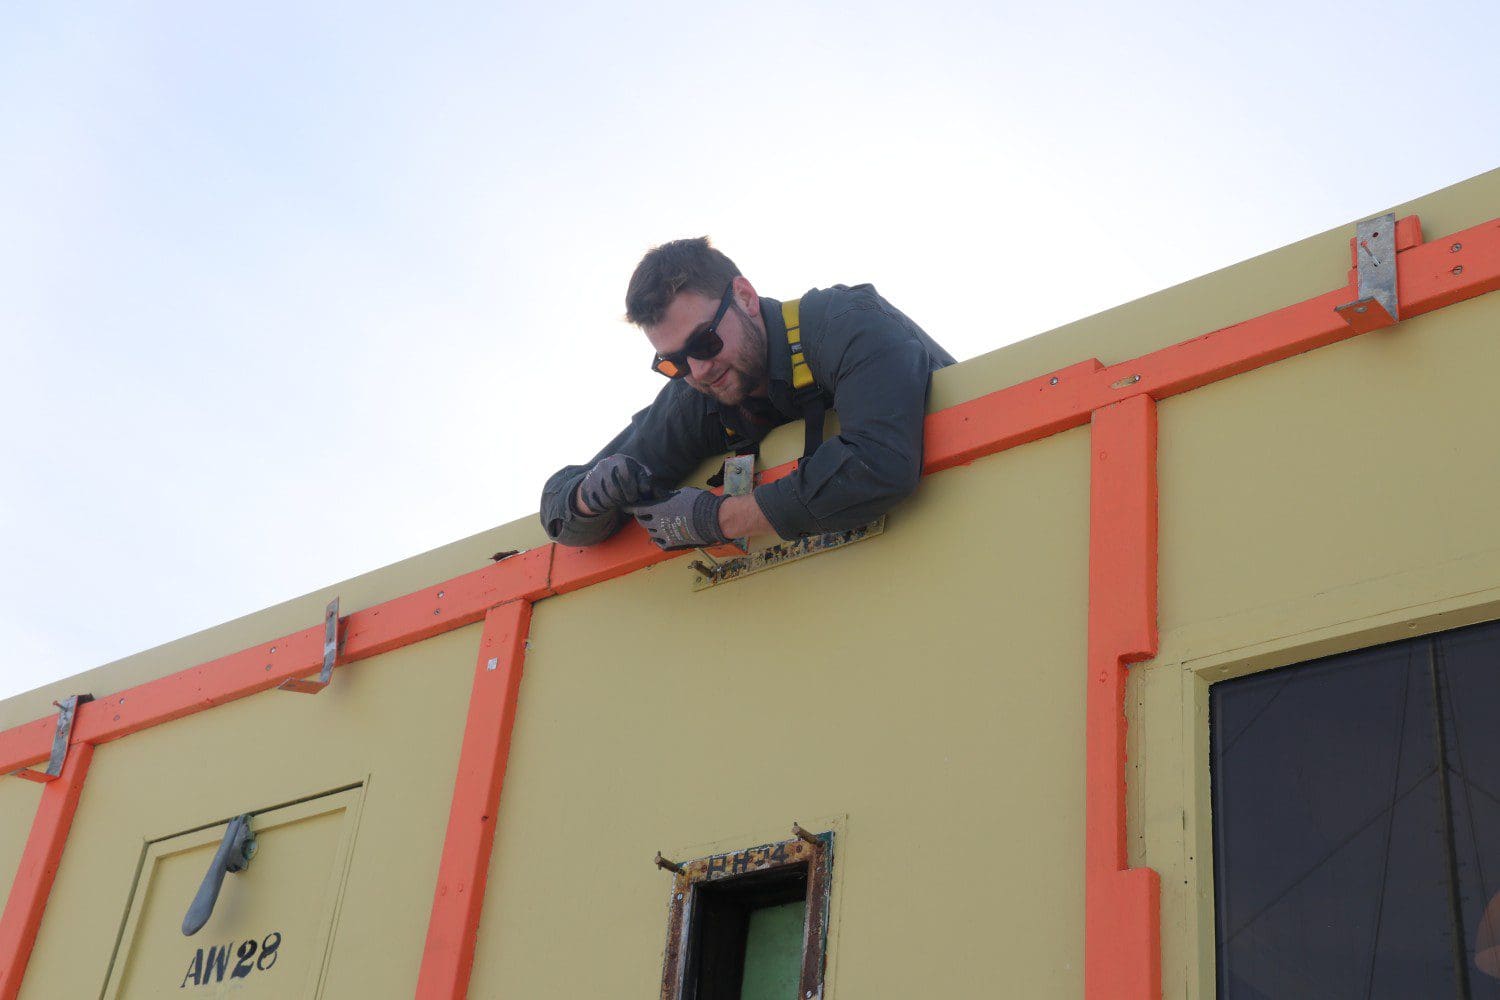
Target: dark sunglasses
[(704, 344)]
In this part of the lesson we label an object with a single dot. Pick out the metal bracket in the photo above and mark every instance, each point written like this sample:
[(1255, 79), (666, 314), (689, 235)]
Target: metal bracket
[(1375, 257), (739, 481), (67, 709), (732, 569), (330, 654)]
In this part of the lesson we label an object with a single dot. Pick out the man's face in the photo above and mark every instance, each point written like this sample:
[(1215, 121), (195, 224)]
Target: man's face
[(737, 371)]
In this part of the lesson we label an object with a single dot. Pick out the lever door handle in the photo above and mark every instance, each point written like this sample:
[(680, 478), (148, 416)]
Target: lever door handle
[(233, 855)]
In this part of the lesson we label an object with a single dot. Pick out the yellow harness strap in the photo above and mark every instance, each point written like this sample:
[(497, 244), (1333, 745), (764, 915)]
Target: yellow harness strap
[(802, 376)]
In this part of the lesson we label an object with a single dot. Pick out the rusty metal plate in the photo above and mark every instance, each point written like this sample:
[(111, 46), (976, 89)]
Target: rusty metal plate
[(707, 575), (62, 736), (330, 654)]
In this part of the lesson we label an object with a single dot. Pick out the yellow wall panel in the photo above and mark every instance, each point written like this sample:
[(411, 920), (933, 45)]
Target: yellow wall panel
[(18, 802), (655, 718), (393, 721)]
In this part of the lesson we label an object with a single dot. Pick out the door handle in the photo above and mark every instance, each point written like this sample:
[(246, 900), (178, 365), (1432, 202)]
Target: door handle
[(233, 855)]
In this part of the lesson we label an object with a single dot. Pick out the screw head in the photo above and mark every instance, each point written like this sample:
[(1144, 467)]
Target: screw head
[(1458, 270), (1455, 248), (1360, 309), (1052, 381)]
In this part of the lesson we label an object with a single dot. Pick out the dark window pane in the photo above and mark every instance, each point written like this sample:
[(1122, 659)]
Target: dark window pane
[(1470, 672), (1332, 841)]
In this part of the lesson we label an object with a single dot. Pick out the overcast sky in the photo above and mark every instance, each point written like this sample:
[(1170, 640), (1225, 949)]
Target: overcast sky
[(291, 291)]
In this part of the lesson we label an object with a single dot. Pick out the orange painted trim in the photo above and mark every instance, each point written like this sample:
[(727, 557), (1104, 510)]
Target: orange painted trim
[(369, 632), (39, 863), (624, 552), (453, 927), (1122, 910), (463, 600)]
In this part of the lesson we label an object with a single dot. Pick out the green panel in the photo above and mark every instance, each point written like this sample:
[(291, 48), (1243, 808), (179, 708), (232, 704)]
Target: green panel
[(773, 952)]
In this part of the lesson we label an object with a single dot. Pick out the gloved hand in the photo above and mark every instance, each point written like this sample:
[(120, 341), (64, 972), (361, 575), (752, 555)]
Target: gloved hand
[(685, 519), (615, 482)]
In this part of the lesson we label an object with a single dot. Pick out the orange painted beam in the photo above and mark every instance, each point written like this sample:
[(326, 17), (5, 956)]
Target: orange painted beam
[(1122, 919), (463, 600), (624, 552), (1429, 276), (39, 863), (369, 632), (26, 744), (1012, 416), (448, 956), (1449, 270)]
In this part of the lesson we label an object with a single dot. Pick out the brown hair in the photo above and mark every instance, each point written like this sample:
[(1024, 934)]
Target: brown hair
[(691, 265)]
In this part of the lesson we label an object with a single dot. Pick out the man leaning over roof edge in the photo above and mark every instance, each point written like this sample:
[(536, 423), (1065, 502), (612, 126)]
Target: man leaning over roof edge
[(734, 375)]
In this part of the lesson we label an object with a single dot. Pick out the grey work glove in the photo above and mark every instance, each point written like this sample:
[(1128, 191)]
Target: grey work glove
[(685, 519), (615, 482)]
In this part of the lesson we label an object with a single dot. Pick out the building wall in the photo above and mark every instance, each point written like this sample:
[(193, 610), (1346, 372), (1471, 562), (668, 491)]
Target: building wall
[(850, 690), (919, 693), (1336, 500), (393, 721)]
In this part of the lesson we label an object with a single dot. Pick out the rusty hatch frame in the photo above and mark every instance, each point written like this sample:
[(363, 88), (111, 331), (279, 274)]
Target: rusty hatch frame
[(815, 851)]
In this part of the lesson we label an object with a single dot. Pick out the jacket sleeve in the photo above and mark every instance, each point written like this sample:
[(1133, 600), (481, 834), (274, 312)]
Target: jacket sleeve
[(669, 437), (878, 368)]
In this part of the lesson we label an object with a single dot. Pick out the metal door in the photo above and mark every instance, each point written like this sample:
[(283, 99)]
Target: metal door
[(271, 925)]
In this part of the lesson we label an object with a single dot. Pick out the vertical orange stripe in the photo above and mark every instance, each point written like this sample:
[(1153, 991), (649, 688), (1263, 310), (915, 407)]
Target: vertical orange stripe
[(1122, 921), (448, 956), (39, 864)]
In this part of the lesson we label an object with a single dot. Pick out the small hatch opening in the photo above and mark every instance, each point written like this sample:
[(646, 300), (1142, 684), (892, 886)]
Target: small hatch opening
[(747, 936), (751, 924)]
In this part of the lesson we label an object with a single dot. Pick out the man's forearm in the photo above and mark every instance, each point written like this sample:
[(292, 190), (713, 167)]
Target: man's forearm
[(741, 516)]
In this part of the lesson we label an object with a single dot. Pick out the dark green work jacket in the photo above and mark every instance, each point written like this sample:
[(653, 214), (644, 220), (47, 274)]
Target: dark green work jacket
[(872, 362)]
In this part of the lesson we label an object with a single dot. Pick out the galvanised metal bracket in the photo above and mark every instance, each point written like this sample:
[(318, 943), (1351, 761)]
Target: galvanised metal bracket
[(1375, 257), (61, 736), (330, 654), (739, 481)]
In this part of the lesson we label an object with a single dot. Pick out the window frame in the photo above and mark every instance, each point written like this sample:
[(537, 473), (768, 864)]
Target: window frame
[(694, 878)]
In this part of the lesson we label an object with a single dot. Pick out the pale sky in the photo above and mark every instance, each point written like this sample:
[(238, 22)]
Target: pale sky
[(289, 292)]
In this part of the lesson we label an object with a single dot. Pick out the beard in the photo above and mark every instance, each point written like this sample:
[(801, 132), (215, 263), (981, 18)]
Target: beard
[(748, 371)]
